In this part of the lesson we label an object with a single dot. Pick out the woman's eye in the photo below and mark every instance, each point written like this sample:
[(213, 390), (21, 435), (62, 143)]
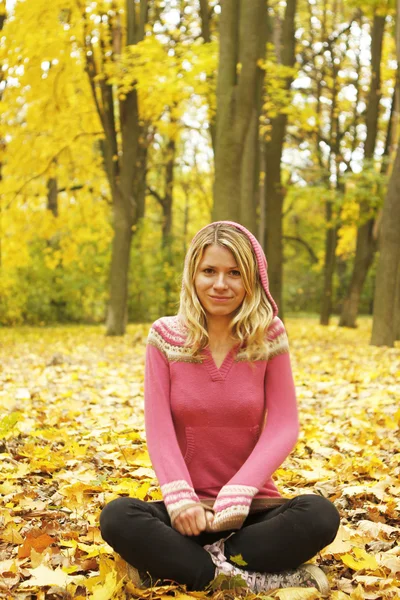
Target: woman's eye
[(208, 271), (235, 273)]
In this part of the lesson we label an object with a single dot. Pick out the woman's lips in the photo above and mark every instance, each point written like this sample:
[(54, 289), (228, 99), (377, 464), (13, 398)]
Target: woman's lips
[(220, 299)]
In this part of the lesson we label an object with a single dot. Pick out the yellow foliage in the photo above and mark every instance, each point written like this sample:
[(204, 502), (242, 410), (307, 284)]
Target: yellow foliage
[(360, 559), (348, 451)]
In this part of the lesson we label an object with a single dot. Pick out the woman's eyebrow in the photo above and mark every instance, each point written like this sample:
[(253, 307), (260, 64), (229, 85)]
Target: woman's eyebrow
[(205, 266)]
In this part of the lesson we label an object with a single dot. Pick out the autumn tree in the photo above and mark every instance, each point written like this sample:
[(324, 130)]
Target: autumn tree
[(387, 287), (2, 86), (330, 59), (366, 244), (122, 147), (283, 43), (239, 84)]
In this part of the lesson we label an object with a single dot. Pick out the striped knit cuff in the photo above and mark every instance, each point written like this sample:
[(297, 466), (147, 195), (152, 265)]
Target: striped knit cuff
[(232, 506), (178, 496)]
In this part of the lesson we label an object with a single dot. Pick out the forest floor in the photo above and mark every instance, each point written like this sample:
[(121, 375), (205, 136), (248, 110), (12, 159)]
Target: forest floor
[(72, 439)]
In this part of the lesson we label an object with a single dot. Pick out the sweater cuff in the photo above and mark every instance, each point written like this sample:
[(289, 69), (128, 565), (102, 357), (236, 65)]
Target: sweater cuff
[(178, 496), (232, 506)]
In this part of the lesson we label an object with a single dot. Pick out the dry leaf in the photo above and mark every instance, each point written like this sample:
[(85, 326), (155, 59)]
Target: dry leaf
[(297, 594), (44, 576), (359, 559)]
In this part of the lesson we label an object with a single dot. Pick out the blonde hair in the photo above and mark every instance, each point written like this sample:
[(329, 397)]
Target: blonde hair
[(253, 317)]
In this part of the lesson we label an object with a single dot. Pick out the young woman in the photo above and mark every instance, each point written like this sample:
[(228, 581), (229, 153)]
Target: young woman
[(221, 417)]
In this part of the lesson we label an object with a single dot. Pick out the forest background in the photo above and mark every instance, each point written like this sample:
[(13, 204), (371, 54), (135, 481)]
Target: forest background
[(125, 127)]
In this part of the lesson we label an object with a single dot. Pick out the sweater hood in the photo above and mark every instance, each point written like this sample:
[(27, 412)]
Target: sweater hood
[(260, 256)]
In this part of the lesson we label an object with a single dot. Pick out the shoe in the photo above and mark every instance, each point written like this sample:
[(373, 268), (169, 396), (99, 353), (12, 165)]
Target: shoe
[(133, 576), (139, 579), (307, 575)]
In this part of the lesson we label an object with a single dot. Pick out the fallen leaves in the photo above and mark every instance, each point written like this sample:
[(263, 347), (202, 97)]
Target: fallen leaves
[(72, 439)]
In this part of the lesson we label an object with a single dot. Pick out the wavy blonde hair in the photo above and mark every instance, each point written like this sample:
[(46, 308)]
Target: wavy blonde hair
[(251, 320)]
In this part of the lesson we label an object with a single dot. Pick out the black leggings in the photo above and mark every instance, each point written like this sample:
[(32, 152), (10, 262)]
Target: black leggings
[(275, 540)]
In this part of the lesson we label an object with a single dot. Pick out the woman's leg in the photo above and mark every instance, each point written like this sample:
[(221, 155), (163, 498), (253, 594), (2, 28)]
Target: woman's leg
[(287, 536), (141, 533)]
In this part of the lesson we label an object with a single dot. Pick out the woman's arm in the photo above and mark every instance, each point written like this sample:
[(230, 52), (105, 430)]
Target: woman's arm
[(162, 443), (275, 443)]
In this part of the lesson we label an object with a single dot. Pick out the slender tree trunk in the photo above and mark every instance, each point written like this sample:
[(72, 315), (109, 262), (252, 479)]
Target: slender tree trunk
[(365, 250), (366, 244), (205, 21), (397, 307), (261, 195), (251, 160), (329, 267), (123, 160), (274, 193), (167, 217), (386, 318), (332, 227), (241, 28), (140, 180), (168, 195), (52, 196), (2, 150), (387, 284)]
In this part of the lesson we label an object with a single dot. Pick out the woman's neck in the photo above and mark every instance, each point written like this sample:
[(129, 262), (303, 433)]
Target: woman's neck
[(219, 333)]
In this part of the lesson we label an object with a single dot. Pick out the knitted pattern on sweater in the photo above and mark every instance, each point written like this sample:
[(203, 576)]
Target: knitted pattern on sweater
[(213, 432)]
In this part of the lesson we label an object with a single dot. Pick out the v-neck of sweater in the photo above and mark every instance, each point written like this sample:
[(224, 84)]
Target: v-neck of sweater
[(220, 373)]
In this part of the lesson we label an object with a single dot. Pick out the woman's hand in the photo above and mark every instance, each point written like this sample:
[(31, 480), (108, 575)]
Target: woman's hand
[(193, 520)]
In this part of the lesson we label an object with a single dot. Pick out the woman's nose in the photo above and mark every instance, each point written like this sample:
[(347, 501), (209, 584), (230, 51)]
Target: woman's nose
[(220, 281)]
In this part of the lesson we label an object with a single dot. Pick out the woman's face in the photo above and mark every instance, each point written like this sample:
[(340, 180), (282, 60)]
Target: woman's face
[(218, 282)]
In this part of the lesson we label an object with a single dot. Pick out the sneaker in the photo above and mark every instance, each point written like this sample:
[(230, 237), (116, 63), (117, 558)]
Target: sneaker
[(139, 579), (307, 575), (133, 576)]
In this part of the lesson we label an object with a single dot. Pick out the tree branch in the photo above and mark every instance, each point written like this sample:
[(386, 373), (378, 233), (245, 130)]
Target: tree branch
[(53, 158), (156, 195), (303, 243)]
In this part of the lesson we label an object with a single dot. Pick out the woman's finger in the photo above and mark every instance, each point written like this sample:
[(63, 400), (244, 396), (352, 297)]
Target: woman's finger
[(209, 518), (187, 523), (200, 519)]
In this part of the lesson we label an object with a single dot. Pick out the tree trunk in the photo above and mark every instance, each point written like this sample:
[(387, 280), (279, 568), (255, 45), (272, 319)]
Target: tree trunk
[(241, 28), (205, 21), (273, 208), (52, 196), (123, 161), (2, 141), (366, 246), (140, 185), (388, 271), (397, 307), (365, 249), (386, 318), (167, 218), (329, 266), (125, 217), (332, 227), (168, 196), (117, 315), (274, 193), (250, 175)]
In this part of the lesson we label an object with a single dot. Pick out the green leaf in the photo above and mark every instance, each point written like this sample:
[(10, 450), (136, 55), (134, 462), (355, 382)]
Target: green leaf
[(238, 560), (226, 582), (8, 423)]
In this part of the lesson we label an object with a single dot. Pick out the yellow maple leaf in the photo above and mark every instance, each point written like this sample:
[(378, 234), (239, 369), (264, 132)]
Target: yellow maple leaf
[(106, 588), (43, 576), (297, 594), (360, 559)]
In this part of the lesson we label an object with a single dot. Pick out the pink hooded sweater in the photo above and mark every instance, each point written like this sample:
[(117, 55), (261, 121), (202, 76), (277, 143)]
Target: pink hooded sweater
[(218, 433)]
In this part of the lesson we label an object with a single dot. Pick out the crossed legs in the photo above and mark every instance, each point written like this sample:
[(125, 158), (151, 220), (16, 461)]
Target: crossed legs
[(275, 540)]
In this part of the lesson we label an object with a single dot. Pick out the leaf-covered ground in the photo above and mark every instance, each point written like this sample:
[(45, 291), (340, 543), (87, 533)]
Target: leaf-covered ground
[(72, 438)]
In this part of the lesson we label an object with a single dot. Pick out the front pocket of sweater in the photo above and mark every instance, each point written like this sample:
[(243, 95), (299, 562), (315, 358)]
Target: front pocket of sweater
[(214, 454)]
